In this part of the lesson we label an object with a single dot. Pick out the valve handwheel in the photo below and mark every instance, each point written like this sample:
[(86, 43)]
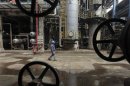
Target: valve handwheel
[(111, 41), (125, 41), (38, 74), (32, 10)]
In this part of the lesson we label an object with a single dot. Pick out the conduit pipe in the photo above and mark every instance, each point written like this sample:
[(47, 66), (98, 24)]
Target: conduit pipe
[(36, 24), (114, 8), (129, 9)]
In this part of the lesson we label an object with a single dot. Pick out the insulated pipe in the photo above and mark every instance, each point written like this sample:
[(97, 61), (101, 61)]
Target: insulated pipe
[(114, 8), (72, 19)]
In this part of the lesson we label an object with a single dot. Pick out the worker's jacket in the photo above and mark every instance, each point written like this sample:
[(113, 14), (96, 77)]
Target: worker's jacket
[(52, 46)]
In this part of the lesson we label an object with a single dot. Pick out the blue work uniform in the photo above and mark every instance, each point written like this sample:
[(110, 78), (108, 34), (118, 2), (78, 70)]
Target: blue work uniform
[(53, 49)]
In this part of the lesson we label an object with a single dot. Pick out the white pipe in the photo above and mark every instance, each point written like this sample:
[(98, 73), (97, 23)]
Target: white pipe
[(60, 32), (72, 18), (87, 4)]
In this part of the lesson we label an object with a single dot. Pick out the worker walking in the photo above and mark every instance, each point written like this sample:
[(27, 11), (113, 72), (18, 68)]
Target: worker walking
[(53, 49)]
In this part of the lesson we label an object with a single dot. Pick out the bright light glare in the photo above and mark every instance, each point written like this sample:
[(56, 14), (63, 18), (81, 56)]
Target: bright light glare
[(107, 10), (119, 1)]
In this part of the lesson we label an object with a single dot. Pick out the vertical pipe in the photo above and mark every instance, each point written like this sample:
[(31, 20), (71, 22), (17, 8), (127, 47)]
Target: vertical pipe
[(85, 7), (60, 32), (114, 9), (36, 25), (114, 12), (31, 24), (129, 9), (11, 36)]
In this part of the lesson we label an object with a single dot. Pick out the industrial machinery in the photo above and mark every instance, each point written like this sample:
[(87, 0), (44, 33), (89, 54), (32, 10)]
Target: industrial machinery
[(115, 34), (33, 12), (20, 41), (109, 41), (20, 33), (15, 39), (38, 74), (125, 41)]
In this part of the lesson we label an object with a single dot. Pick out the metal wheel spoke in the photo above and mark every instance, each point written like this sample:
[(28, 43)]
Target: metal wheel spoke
[(38, 81), (43, 73), (47, 84), (108, 34), (30, 73), (33, 3), (112, 51), (48, 1), (104, 41), (32, 12), (110, 28)]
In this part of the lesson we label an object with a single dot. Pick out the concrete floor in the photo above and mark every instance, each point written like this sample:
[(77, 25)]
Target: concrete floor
[(75, 68)]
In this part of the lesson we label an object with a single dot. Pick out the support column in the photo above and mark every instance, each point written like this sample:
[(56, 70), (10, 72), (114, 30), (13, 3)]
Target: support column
[(92, 28), (93, 24), (1, 40), (72, 18), (71, 40), (41, 31)]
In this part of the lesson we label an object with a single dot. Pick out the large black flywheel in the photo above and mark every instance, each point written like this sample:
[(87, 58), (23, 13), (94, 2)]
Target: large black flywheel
[(37, 8), (106, 40), (125, 41), (38, 74)]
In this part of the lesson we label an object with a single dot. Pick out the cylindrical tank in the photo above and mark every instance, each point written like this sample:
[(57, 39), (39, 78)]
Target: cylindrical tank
[(17, 41), (72, 19), (32, 41), (32, 34)]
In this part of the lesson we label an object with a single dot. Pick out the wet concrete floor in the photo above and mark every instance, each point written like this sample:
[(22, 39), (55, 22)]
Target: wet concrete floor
[(74, 68)]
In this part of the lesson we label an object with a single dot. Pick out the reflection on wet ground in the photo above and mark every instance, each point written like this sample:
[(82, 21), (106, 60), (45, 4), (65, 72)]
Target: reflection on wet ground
[(73, 68)]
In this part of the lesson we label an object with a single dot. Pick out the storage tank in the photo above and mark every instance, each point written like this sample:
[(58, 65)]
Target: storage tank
[(72, 19)]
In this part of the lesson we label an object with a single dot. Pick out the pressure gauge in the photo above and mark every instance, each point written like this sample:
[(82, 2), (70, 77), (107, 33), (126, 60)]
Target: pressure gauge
[(71, 34)]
